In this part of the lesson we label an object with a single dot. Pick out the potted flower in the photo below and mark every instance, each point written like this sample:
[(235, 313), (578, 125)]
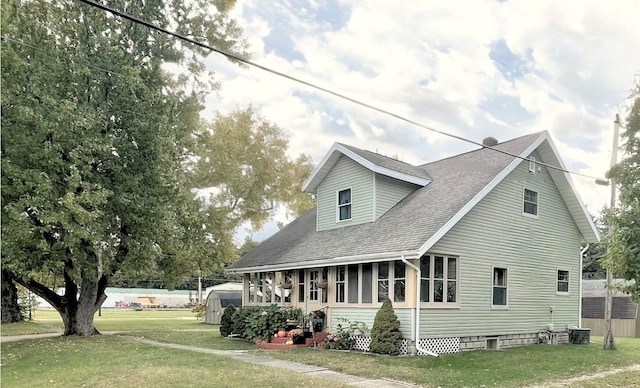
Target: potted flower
[(286, 285), (316, 319)]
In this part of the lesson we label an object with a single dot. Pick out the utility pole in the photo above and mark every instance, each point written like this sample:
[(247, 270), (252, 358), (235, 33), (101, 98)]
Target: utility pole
[(609, 342)]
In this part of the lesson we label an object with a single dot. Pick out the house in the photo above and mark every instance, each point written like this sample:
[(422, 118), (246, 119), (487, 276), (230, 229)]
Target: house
[(478, 250), (624, 312)]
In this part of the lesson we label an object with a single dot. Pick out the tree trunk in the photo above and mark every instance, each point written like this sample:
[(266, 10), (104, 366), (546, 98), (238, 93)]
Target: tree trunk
[(10, 307), (76, 309), (78, 313)]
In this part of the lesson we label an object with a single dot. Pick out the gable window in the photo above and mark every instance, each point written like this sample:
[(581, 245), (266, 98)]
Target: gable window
[(563, 282), (439, 280), (344, 205), (499, 287), (530, 202)]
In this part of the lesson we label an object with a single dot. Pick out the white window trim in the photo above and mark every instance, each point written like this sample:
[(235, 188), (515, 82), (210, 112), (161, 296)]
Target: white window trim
[(441, 305), (500, 306), (338, 206), (532, 165), (568, 281), (537, 204)]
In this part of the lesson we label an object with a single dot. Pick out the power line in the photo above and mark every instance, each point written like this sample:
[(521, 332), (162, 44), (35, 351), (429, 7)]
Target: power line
[(7, 38), (312, 85)]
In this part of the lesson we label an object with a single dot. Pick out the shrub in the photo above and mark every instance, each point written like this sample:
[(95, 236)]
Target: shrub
[(200, 309), (385, 334), (226, 322), (341, 340), (239, 321)]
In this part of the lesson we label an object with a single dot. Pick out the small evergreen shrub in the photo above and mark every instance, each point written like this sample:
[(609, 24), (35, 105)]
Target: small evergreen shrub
[(385, 334), (226, 322)]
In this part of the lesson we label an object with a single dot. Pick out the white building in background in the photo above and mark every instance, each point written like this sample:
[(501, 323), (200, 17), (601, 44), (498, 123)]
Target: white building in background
[(148, 297)]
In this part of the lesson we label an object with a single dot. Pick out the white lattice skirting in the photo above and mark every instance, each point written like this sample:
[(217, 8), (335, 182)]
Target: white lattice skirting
[(440, 345), (435, 345)]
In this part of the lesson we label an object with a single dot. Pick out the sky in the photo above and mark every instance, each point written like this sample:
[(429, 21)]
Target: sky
[(473, 69)]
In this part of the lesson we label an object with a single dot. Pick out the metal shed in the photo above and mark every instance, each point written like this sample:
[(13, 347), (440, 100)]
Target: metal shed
[(217, 302)]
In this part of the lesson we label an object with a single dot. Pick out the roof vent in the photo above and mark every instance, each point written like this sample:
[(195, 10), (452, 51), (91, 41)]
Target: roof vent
[(490, 141)]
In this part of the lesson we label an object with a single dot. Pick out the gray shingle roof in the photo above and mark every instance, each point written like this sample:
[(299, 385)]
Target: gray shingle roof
[(456, 180), (387, 162)]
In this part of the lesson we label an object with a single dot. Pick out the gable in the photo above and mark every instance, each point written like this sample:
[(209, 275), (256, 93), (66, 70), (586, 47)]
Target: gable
[(371, 161), (345, 175)]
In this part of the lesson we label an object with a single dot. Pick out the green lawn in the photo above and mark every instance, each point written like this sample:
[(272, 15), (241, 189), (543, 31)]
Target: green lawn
[(47, 321), (67, 361), (507, 368), (113, 361)]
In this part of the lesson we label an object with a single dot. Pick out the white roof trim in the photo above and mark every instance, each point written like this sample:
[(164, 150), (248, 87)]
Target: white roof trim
[(316, 176), (341, 260), (478, 197), (567, 177)]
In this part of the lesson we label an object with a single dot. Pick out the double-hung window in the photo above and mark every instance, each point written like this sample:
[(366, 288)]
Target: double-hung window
[(439, 280), (344, 205), (563, 282), (530, 202), (499, 287)]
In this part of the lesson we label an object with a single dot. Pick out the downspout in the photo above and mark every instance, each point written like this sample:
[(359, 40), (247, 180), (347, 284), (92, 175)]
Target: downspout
[(417, 332), (580, 285)]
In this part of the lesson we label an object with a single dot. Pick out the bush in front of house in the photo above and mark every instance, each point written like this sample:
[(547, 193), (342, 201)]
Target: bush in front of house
[(226, 322), (385, 334), (259, 322), (239, 320)]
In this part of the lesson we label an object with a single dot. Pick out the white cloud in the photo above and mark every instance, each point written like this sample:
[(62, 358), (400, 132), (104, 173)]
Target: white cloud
[(430, 61)]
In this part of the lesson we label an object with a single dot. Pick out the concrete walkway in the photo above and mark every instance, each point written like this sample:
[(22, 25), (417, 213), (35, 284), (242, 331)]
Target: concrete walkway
[(245, 356)]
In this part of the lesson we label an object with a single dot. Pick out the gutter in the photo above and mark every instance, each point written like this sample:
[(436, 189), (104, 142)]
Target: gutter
[(580, 285), (340, 260), (417, 331)]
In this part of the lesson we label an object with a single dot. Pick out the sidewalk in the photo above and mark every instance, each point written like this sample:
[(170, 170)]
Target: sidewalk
[(245, 356)]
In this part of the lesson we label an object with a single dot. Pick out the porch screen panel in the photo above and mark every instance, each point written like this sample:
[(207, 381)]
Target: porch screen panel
[(383, 281), (438, 279), (425, 275), (366, 283), (340, 278), (399, 282), (301, 292), (352, 284), (451, 280)]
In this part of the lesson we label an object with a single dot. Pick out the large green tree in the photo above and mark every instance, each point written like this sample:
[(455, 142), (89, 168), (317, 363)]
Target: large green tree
[(242, 171), (623, 241), (95, 130)]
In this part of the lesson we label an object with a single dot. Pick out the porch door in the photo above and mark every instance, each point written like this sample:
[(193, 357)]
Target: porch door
[(316, 298)]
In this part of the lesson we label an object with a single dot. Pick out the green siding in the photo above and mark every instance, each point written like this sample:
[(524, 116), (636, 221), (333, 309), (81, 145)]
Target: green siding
[(390, 191), (495, 233), (345, 174), (367, 315)]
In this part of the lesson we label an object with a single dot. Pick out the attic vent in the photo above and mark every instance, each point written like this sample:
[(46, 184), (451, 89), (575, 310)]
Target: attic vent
[(490, 141)]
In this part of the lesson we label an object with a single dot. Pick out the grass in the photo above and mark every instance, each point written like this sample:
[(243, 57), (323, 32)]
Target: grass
[(48, 321), (112, 361), (71, 361), (508, 368), (22, 328)]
